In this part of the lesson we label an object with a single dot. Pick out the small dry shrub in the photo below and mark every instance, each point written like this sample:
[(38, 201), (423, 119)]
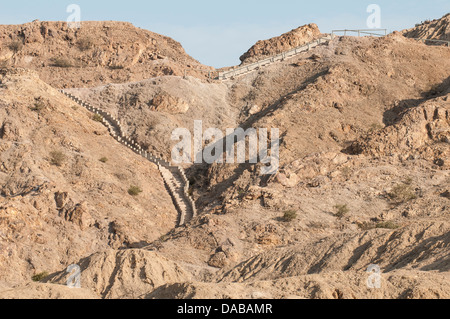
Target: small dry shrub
[(289, 215), (40, 276), (85, 44), (403, 192), (342, 210), (97, 118), (387, 225), (57, 158), (61, 63), (15, 46), (134, 190)]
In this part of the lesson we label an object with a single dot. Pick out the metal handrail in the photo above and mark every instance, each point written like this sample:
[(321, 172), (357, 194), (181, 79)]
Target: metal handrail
[(362, 31), (281, 56), (294, 51), (255, 65)]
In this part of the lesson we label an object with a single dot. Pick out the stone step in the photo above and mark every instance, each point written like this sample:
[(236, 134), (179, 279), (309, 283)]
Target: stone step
[(173, 177)]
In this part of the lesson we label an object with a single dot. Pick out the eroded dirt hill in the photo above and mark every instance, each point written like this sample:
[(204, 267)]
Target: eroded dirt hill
[(364, 179), (438, 29), (64, 185), (97, 53), (284, 42)]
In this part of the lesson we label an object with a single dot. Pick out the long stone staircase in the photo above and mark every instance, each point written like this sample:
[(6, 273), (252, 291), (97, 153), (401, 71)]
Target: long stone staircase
[(248, 68), (174, 177)]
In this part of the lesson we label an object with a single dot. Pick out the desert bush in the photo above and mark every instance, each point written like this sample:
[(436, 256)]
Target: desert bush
[(61, 63), (85, 44), (134, 190), (367, 225), (38, 106), (116, 67), (375, 127), (342, 210), (57, 158), (387, 225), (15, 46), (103, 159), (289, 215), (97, 118), (40, 276), (403, 192), (317, 225)]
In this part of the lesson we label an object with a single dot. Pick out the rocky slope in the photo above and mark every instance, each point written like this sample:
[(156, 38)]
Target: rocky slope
[(438, 29), (364, 179), (64, 188), (286, 41), (97, 53)]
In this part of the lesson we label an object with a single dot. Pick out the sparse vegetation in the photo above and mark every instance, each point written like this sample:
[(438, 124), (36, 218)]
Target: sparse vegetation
[(289, 215), (97, 118), (16, 46), (134, 190), (342, 210), (164, 238), (380, 225), (387, 225), (367, 225), (375, 127), (103, 159), (57, 158), (403, 192), (347, 172), (317, 225), (38, 106), (116, 67), (40, 276), (61, 63), (242, 192), (85, 44)]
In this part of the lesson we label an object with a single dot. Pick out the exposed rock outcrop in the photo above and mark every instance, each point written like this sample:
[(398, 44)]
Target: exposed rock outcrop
[(284, 42)]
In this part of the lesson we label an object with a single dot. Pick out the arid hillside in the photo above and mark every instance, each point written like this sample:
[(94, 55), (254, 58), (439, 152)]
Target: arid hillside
[(284, 42), (64, 183), (438, 29), (364, 180), (97, 53)]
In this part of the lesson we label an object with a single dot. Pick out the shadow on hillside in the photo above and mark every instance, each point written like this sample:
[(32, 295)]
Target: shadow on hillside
[(220, 188), (395, 114), (442, 264)]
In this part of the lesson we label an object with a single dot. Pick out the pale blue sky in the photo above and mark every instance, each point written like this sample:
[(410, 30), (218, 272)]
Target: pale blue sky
[(217, 32)]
